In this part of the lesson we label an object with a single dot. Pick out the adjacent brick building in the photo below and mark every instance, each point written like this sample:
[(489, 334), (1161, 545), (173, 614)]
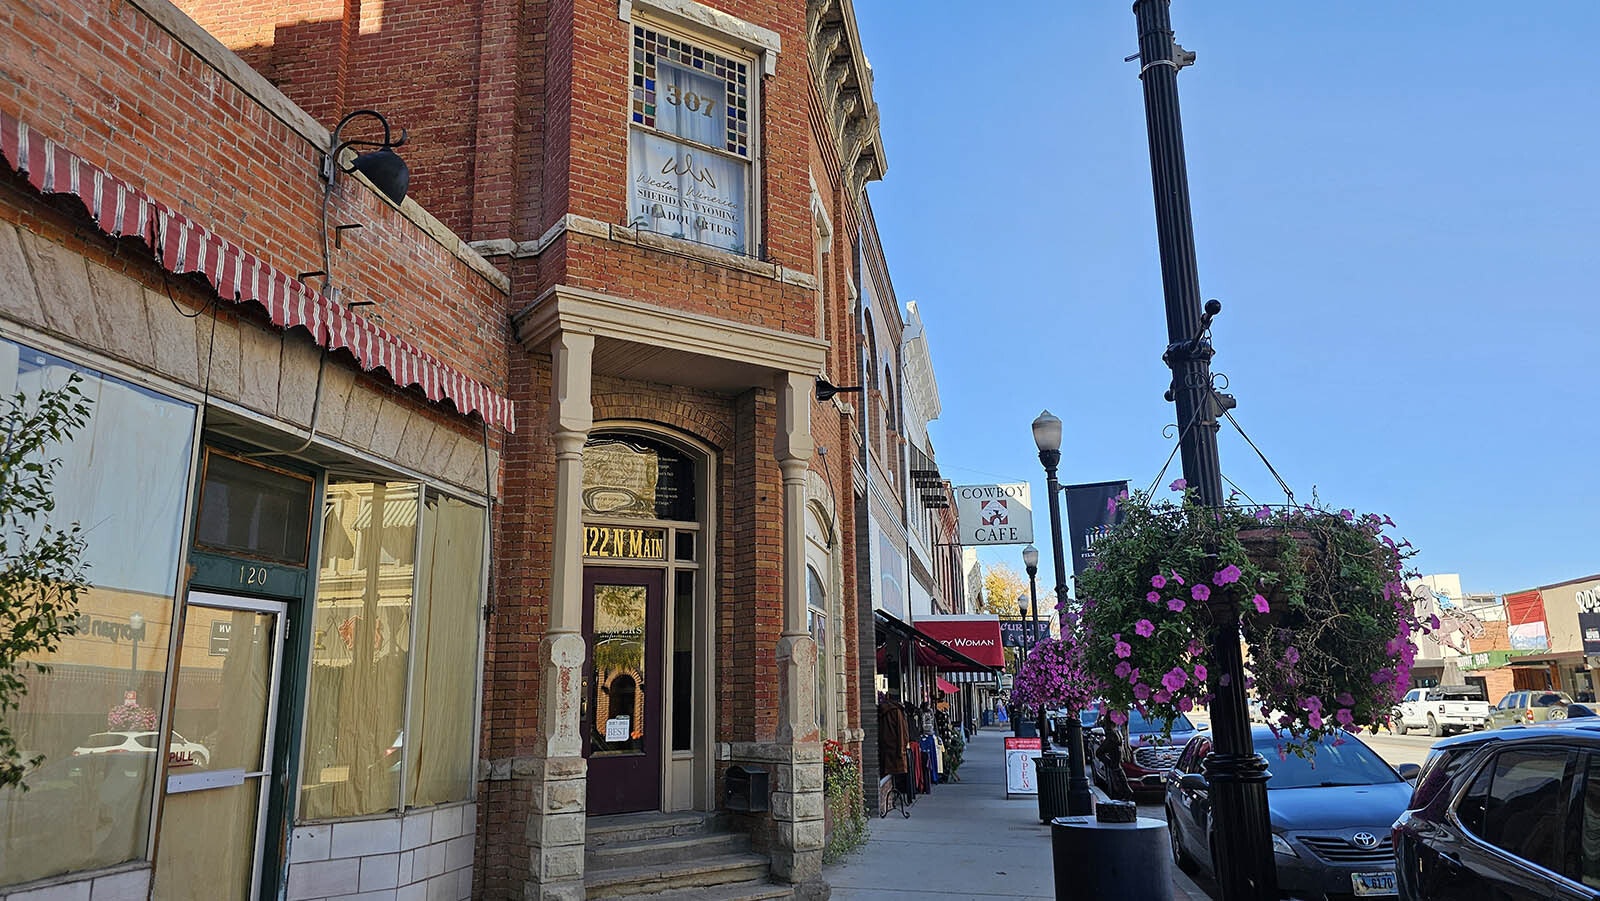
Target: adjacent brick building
[(554, 416)]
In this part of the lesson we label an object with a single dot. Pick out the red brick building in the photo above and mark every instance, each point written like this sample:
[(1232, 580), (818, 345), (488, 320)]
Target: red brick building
[(584, 352)]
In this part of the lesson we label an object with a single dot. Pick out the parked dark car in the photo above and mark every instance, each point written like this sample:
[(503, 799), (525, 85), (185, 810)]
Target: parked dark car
[(1509, 815), (1149, 752), (1331, 816)]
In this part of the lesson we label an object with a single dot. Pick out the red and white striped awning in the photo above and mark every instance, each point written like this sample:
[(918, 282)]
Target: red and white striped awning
[(183, 246)]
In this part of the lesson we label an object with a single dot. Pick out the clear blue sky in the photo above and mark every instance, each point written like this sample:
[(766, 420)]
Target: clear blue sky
[(1397, 204)]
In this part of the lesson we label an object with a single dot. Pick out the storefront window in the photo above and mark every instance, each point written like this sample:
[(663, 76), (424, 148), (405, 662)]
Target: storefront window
[(449, 594), (95, 715), (360, 651), (371, 584)]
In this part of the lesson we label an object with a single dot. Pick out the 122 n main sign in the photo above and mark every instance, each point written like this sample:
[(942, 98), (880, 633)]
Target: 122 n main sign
[(995, 514)]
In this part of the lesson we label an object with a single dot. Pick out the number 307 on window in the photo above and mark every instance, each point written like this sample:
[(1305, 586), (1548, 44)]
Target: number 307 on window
[(690, 101)]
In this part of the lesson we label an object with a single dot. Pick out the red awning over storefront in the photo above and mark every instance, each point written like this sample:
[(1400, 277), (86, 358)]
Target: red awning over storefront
[(975, 635), (946, 687), (184, 246)]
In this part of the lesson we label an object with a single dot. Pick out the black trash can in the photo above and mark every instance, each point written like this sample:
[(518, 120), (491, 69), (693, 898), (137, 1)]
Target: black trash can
[(1055, 783), (1097, 861)]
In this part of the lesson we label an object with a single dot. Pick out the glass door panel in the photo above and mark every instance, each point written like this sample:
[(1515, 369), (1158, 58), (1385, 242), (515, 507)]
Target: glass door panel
[(218, 760), (622, 691)]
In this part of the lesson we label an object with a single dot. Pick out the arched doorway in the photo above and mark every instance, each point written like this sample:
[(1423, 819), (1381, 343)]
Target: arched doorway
[(646, 711)]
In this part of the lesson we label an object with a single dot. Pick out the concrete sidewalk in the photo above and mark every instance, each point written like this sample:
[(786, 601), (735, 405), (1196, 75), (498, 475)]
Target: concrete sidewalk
[(963, 841)]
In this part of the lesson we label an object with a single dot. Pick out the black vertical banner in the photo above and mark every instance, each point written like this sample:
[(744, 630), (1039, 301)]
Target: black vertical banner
[(1090, 514)]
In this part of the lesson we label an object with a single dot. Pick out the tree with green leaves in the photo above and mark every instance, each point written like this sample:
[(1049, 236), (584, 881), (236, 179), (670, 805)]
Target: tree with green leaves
[(42, 571)]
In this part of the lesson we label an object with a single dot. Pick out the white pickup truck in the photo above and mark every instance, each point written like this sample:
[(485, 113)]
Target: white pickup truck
[(1442, 710)]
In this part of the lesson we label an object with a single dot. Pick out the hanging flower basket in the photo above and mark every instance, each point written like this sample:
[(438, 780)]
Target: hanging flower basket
[(1055, 674), (1320, 594)]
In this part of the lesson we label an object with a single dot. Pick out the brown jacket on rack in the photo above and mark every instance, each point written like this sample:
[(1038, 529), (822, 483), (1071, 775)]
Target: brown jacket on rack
[(893, 734)]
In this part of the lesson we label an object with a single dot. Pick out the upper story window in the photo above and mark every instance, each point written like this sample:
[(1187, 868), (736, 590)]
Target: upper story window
[(689, 147)]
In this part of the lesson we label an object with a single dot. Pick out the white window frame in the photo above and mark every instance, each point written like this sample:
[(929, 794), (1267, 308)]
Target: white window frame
[(757, 63)]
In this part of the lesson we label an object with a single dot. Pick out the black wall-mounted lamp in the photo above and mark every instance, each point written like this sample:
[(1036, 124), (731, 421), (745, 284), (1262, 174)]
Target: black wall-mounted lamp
[(826, 390), (383, 167)]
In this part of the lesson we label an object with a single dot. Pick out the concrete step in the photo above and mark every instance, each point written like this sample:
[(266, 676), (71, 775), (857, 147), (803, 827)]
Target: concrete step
[(624, 828), (756, 890), (694, 875), (696, 846)]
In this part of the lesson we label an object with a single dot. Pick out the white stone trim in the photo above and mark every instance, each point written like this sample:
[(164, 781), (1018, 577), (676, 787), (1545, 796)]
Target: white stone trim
[(595, 228), (564, 308), (762, 41)]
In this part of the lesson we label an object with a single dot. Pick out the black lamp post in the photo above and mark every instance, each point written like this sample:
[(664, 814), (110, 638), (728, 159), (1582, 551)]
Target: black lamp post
[(1047, 436), (1238, 775), (1030, 562)]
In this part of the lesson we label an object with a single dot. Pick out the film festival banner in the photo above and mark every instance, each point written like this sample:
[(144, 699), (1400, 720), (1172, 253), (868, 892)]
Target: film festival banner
[(1090, 515), (1588, 619), (995, 514)]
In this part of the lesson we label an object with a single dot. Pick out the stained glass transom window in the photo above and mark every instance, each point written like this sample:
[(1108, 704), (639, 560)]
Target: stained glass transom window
[(666, 73)]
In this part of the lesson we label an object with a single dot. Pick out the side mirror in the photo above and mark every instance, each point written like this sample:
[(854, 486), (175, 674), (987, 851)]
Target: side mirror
[(1409, 771), (1194, 782)]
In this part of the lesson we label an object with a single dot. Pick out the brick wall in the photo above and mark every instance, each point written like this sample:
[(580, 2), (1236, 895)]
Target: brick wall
[(151, 111)]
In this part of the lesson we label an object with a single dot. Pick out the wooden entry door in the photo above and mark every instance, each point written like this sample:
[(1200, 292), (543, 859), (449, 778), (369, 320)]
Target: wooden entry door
[(622, 727)]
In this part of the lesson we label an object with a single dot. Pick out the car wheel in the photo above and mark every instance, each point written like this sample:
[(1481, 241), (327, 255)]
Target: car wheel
[(1558, 713), (1180, 858), (1399, 726), (1434, 729)]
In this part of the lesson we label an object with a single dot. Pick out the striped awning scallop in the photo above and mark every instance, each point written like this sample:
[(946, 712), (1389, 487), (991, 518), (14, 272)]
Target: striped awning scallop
[(184, 246)]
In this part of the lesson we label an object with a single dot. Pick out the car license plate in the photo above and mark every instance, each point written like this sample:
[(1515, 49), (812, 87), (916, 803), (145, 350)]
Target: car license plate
[(1366, 884)]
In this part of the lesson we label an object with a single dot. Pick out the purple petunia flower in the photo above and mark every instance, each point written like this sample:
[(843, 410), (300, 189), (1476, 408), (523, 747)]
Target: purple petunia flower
[(1175, 679), (1261, 604), (1263, 514), (1200, 672), (1153, 597), (1158, 581), (1201, 592), (1345, 699), (1123, 650), (1176, 605), (1291, 655), (1227, 575), (1347, 515), (1144, 628), (1178, 485), (1196, 648), (1141, 691), (1123, 669), (1225, 680)]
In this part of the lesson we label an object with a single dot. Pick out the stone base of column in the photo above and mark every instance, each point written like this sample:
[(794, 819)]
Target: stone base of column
[(557, 826), (792, 834)]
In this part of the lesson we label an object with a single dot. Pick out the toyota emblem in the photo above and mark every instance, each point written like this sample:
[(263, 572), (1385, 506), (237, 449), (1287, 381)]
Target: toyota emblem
[(1365, 840)]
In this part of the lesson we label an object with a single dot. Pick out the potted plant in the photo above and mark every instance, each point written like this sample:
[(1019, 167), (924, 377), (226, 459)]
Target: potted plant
[(1324, 611)]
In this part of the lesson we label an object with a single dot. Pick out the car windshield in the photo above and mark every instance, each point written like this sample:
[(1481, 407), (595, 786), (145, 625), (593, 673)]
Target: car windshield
[(1088, 716), (104, 740), (1138, 723), (1550, 699), (1458, 694), (1350, 763)]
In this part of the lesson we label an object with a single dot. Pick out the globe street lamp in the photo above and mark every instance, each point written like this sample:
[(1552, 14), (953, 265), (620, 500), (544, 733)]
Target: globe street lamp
[(1047, 436), (135, 624)]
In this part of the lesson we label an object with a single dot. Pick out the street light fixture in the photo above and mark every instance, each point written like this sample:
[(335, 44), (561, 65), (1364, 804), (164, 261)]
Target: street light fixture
[(1245, 865), (135, 624), (1047, 436), (1030, 562)]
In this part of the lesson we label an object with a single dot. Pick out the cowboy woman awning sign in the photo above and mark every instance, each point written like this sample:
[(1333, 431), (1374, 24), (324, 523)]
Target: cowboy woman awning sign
[(995, 514)]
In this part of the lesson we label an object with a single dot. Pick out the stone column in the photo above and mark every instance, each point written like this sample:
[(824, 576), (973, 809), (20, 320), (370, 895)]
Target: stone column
[(557, 821), (797, 802)]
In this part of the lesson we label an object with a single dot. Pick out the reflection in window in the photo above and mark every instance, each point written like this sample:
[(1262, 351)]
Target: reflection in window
[(253, 510), (638, 478), (1589, 838), (619, 669), (1525, 813), (124, 477), (817, 622)]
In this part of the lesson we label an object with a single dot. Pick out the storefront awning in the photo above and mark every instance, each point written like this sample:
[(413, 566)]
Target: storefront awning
[(975, 635), (946, 687), (184, 246), (930, 651)]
